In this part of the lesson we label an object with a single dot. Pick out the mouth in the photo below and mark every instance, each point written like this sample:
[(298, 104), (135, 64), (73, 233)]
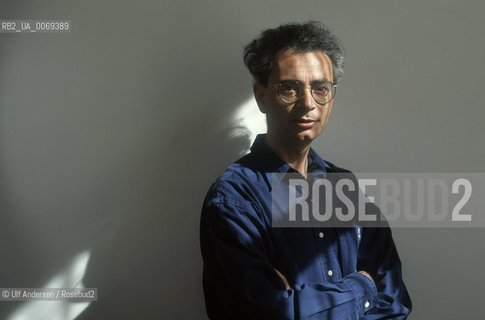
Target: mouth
[(305, 123)]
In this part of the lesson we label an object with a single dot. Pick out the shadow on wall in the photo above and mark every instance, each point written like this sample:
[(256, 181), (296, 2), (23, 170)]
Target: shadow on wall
[(153, 266), (110, 137)]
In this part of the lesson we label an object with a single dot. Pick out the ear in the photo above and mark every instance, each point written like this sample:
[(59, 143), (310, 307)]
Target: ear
[(258, 91)]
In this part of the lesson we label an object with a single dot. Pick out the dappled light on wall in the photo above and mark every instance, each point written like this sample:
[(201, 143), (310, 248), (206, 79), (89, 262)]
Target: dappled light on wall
[(71, 277), (248, 121)]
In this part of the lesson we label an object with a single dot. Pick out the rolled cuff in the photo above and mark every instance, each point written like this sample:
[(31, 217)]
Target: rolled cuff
[(364, 290)]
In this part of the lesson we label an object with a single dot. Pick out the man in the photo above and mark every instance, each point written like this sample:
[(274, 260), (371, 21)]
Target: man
[(255, 271)]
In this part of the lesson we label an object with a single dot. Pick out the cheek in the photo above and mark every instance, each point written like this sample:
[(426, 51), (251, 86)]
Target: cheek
[(281, 111), (326, 110), (326, 116)]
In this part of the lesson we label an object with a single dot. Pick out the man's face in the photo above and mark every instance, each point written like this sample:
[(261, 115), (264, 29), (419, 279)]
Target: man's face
[(301, 121)]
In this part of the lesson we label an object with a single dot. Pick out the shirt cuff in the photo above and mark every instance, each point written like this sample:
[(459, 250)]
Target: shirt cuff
[(364, 290)]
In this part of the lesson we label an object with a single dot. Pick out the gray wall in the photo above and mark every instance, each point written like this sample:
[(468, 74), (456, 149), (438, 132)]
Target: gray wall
[(104, 151)]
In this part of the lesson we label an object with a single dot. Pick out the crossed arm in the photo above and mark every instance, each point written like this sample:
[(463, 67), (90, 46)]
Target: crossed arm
[(241, 283), (287, 285)]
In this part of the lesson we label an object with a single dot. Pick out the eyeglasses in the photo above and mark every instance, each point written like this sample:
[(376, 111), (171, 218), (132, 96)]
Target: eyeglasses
[(292, 90)]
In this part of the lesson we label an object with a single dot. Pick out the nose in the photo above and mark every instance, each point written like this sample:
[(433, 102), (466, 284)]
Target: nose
[(306, 100)]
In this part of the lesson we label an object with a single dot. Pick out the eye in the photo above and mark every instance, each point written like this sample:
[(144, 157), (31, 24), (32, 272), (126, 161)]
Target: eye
[(322, 89), (289, 89)]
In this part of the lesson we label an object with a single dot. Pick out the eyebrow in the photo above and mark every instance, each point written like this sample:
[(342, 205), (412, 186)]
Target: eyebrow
[(325, 80)]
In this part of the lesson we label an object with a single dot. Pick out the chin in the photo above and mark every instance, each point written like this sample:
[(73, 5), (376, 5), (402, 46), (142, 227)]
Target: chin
[(306, 137)]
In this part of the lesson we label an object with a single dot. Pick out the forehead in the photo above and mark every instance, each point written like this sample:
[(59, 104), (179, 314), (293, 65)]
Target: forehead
[(305, 66)]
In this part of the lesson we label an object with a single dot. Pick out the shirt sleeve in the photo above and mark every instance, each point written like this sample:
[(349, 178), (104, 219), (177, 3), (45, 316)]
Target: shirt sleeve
[(379, 257), (240, 282)]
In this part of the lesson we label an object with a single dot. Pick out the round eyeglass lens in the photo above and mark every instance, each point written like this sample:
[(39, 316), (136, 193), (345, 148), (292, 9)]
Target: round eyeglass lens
[(323, 92)]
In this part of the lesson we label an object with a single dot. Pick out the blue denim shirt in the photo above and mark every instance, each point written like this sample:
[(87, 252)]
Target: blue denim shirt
[(241, 251)]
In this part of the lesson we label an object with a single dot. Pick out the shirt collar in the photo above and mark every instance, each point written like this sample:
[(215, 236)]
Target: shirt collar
[(273, 164)]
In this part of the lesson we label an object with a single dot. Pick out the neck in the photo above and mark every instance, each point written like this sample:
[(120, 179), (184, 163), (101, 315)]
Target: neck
[(296, 155)]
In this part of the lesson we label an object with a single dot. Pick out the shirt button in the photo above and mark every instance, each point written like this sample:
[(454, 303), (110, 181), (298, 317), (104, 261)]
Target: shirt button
[(330, 272), (321, 235), (367, 304)]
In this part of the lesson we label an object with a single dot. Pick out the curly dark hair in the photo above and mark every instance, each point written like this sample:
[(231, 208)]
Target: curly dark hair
[(298, 37)]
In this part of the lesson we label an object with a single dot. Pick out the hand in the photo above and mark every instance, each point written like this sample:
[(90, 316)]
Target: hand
[(287, 285), (367, 275)]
